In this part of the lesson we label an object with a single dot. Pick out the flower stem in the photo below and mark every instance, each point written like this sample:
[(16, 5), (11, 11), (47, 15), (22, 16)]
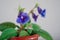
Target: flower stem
[(33, 8), (19, 30), (22, 27), (31, 11)]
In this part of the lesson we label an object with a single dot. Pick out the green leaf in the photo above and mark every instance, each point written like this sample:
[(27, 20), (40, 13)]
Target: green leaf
[(8, 33), (6, 25), (17, 26), (35, 27), (23, 33), (29, 31), (44, 34)]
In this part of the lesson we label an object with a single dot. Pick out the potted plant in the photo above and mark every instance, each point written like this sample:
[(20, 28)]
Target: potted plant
[(27, 30)]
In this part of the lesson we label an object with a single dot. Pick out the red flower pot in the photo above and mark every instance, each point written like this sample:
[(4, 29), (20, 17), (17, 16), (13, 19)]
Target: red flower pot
[(33, 37)]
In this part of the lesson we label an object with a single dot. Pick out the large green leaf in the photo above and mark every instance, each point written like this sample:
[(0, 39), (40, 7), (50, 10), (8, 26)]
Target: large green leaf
[(23, 33), (6, 25), (8, 33), (35, 27), (44, 34)]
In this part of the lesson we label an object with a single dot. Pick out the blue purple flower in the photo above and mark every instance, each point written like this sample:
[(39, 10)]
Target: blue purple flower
[(41, 12), (23, 18), (34, 16)]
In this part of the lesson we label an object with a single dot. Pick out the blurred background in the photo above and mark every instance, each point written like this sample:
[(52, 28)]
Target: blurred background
[(51, 23)]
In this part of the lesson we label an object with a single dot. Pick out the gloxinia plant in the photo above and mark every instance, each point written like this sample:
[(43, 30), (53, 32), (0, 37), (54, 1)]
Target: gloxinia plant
[(26, 30)]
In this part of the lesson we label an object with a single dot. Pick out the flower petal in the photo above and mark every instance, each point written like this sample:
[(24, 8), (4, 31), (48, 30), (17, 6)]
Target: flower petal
[(34, 16), (39, 10), (43, 13), (20, 14), (18, 20)]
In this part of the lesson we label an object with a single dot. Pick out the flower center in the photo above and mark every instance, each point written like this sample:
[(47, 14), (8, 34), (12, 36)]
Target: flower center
[(22, 17)]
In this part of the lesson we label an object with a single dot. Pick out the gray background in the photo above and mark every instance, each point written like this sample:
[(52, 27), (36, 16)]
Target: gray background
[(8, 12)]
